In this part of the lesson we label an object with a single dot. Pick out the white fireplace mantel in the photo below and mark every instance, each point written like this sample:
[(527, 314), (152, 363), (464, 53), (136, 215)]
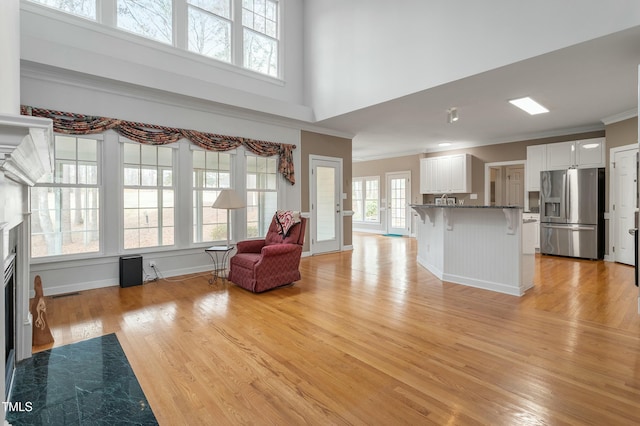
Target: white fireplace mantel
[(26, 147)]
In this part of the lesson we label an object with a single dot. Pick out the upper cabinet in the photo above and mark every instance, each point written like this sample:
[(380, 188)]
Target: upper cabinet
[(447, 174), (561, 155), (581, 154), (591, 153), (536, 163)]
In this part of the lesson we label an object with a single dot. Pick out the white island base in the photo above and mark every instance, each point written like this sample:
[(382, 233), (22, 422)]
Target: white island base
[(477, 246)]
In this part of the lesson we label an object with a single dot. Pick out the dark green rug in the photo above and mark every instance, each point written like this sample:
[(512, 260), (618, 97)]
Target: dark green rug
[(85, 383)]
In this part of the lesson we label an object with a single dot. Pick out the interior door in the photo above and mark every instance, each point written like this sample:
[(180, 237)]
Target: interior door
[(625, 177), (515, 186), (326, 204), (398, 196)]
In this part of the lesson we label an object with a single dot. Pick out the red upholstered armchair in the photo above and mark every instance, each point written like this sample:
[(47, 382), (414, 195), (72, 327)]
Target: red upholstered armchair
[(260, 265)]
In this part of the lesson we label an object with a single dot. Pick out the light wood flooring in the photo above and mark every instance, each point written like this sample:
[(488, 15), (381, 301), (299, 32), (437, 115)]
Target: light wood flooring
[(369, 337)]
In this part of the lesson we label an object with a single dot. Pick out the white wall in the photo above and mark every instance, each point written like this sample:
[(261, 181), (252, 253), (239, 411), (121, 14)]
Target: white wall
[(407, 46), (57, 39), (51, 88)]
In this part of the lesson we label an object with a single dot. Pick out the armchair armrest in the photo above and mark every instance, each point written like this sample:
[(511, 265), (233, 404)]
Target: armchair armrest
[(250, 246), (277, 256), (280, 249)]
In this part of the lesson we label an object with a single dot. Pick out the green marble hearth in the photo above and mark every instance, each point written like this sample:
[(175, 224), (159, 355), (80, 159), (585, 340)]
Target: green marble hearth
[(89, 382)]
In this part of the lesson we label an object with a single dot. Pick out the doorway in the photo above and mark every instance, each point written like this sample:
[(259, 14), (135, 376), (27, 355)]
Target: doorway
[(504, 183), (398, 196), (624, 203), (326, 204)]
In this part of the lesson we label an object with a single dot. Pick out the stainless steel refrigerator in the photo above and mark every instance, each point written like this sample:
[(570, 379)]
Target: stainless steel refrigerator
[(572, 213)]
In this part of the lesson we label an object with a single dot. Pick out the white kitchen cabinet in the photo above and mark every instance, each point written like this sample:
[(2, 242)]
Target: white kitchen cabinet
[(591, 153), (428, 173), (446, 174), (561, 156), (536, 162), (581, 154)]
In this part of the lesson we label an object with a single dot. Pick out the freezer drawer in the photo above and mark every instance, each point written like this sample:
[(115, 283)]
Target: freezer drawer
[(570, 240)]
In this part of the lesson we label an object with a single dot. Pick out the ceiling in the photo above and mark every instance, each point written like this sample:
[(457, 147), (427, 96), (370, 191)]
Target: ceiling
[(582, 86)]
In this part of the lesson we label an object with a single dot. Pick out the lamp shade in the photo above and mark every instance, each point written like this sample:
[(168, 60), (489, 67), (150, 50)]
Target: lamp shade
[(228, 199)]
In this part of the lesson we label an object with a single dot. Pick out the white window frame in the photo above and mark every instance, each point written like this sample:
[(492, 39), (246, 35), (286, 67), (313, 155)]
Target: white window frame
[(364, 180), (101, 205), (174, 187), (232, 179), (106, 15), (276, 191)]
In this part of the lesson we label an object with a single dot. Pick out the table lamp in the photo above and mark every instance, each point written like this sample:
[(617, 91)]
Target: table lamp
[(228, 199)]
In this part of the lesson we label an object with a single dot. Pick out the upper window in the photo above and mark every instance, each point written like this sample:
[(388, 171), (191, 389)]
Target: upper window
[(211, 173), (148, 196), (366, 199), (241, 32), (262, 194), (65, 206), (260, 35)]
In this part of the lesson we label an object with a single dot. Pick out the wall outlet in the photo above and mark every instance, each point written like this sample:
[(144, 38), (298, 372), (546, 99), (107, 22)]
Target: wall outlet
[(152, 263)]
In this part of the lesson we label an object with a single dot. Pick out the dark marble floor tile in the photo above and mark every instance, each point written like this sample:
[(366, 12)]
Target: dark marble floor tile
[(85, 383)]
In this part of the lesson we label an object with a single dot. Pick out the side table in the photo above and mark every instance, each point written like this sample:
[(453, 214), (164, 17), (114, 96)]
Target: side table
[(220, 257)]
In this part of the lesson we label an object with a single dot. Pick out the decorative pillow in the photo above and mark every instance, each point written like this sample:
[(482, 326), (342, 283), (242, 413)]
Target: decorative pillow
[(286, 219)]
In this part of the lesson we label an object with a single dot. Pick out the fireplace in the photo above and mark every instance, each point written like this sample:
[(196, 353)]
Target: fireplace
[(9, 321), (25, 156)]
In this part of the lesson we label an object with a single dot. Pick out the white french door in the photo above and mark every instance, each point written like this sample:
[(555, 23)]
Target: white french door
[(624, 175), (326, 204), (398, 197)]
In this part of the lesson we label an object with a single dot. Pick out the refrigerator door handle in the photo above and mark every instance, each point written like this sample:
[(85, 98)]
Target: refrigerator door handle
[(563, 198), (570, 227)]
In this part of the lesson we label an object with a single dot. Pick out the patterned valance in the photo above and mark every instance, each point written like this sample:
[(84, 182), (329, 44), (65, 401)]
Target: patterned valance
[(79, 124)]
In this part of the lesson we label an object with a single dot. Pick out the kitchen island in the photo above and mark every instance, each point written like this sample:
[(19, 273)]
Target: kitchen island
[(488, 247)]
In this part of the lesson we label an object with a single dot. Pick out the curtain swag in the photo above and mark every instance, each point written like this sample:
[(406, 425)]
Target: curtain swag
[(78, 124)]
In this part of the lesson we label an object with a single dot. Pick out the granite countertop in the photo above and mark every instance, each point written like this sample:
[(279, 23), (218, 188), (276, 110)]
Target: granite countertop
[(464, 206)]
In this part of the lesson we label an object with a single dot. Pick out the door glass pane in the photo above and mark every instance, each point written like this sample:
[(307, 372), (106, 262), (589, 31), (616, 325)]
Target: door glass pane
[(398, 203), (326, 183)]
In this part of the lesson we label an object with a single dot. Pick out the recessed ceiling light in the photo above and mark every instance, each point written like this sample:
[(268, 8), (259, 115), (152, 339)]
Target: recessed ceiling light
[(529, 105), (444, 144)]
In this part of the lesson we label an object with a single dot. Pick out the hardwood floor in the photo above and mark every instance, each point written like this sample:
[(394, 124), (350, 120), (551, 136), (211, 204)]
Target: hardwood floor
[(370, 337)]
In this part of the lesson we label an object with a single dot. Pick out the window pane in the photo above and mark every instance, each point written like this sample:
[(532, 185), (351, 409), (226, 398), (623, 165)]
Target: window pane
[(87, 149), (64, 221), (224, 162), (148, 18), (131, 153), (209, 35), (219, 7), (149, 177), (131, 175), (167, 177), (165, 156), (65, 147), (198, 159), (149, 154), (86, 9), (260, 53)]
